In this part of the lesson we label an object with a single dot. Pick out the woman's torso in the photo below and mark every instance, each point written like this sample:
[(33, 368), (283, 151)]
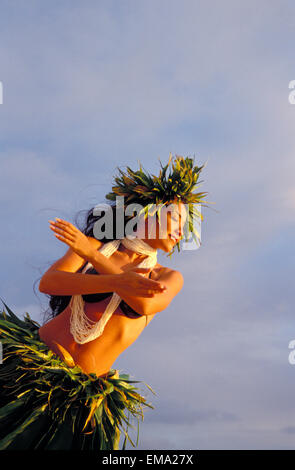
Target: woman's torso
[(98, 355)]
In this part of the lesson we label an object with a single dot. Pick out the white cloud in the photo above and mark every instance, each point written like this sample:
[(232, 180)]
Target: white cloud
[(93, 86)]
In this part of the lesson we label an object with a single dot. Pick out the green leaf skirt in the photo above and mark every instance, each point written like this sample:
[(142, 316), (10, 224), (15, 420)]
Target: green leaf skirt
[(46, 404)]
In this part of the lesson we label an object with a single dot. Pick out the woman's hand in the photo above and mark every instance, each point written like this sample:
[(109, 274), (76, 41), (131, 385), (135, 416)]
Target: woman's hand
[(139, 286), (72, 236)]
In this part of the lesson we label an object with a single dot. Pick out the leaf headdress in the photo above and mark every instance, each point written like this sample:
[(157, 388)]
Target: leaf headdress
[(176, 182)]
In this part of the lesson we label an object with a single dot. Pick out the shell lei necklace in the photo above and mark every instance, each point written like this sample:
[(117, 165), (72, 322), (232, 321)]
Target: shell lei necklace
[(82, 328)]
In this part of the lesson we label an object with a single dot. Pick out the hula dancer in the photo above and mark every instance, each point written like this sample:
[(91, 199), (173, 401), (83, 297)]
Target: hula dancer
[(58, 388)]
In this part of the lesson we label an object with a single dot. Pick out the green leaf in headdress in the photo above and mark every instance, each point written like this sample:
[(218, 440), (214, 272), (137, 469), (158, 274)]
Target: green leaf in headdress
[(176, 181)]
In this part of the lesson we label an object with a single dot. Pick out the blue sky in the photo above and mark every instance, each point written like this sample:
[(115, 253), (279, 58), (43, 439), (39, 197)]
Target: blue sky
[(89, 86)]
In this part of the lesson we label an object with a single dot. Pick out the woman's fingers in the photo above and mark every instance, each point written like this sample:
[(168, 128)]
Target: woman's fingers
[(64, 230), (154, 291), (64, 223), (64, 239), (149, 293), (63, 233), (141, 286), (150, 284), (68, 233), (66, 226), (145, 294), (153, 285)]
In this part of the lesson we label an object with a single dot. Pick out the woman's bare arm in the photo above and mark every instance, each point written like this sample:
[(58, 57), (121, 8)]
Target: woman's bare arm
[(172, 279), (86, 248), (141, 304), (58, 282), (62, 279)]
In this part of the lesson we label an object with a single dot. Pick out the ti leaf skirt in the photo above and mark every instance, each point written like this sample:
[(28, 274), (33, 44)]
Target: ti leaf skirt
[(46, 404)]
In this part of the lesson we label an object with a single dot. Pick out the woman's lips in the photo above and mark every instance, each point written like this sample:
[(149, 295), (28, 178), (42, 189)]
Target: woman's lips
[(173, 238)]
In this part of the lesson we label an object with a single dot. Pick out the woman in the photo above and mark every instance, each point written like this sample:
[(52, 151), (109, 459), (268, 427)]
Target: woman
[(118, 274), (89, 331)]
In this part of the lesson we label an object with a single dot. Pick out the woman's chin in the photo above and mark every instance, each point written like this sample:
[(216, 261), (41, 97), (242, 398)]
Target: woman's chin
[(168, 245)]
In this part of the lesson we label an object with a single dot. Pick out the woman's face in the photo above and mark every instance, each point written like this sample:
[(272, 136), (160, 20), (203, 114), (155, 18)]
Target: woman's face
[(165, 235)]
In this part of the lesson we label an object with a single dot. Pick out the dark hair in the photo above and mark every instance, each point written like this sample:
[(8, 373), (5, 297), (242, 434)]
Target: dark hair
[(58, 303)]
